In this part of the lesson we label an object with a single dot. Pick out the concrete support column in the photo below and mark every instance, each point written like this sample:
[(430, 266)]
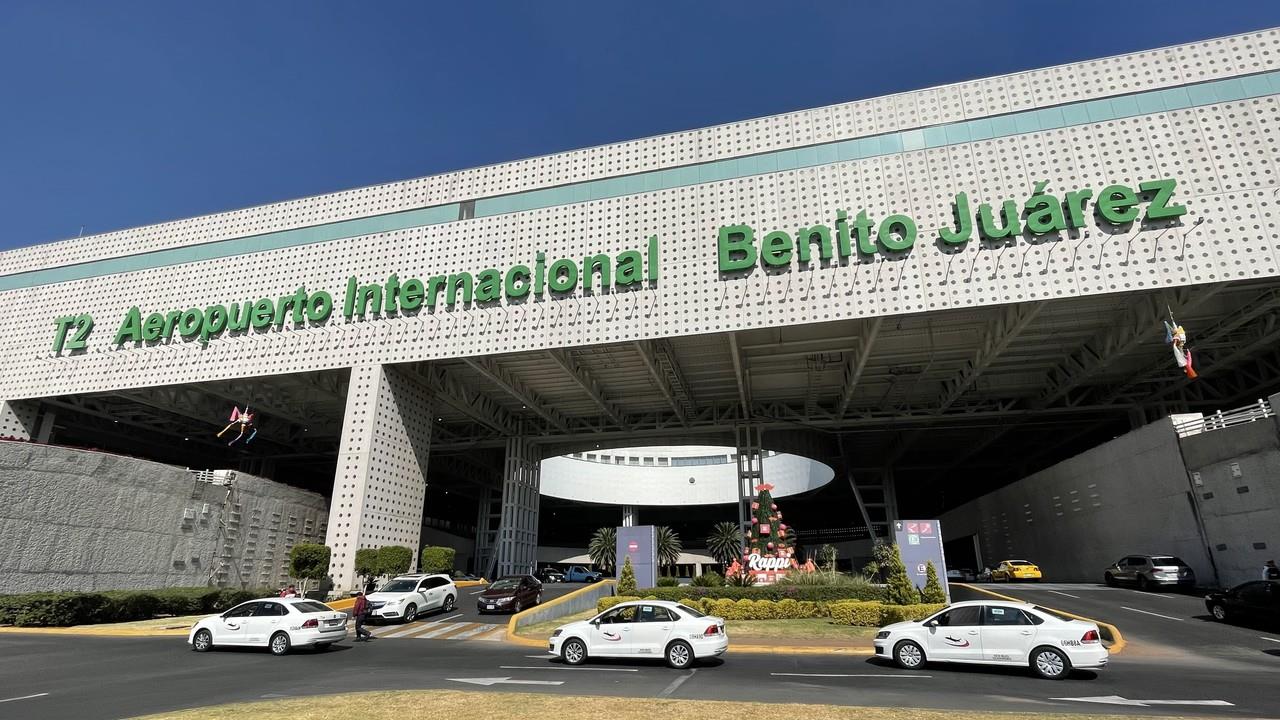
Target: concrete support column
[(380, 484), (18, 418), (45, 433), (629, 515), (749, 441), (521, 494)]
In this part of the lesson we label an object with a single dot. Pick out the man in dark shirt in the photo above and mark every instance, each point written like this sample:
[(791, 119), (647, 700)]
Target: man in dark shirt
[(361, 612)]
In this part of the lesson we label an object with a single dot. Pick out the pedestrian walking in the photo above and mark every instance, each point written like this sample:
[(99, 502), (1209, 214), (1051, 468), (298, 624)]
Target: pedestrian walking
[(1270, 571), (361, 613)]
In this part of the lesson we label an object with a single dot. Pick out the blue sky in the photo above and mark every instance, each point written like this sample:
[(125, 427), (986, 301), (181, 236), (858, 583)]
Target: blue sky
[(120, 114)]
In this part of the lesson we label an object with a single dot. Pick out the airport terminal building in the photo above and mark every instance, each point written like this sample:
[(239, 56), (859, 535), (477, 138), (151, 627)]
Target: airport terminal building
[(934, 293)]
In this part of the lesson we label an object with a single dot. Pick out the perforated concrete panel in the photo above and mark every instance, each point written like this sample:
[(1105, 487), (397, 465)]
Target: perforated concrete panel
[(1205, 114), (18, 419), (380, 482)]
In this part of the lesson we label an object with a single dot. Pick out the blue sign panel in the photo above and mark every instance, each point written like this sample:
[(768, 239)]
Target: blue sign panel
[(920, 543), (640, 544)]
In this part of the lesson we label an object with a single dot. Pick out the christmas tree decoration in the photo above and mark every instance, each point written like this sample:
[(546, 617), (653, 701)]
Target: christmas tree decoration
[(767, 530)]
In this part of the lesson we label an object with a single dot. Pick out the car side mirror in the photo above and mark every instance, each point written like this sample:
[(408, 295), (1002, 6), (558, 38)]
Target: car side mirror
[(932, 624)]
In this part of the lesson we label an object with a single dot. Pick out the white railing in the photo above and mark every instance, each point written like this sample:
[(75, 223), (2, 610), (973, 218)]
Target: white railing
[(213, 477), (1220, 420)]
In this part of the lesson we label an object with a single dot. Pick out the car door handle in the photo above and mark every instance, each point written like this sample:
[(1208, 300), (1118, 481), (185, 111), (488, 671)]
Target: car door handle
[(1025, 632), (666, 627), (973, 632)]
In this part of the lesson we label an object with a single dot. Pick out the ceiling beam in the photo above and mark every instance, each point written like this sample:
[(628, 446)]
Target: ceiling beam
[(1000, 333), (660, 379), (739, 374), (582, 378), (858, 363), (470, 402), (517, 389)]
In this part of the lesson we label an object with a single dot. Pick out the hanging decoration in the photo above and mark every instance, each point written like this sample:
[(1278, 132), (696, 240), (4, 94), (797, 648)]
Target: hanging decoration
[(246, 421), (1176, 337)]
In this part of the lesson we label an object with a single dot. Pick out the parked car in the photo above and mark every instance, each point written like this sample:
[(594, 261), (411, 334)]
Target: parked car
[(961, 575), (577, 573), (1009, 570), (1150, 571), (510, 594), (407, 596), (465, 576), (1257, 600), (278, 624), (989, 632), (642, 628), (550, 575)]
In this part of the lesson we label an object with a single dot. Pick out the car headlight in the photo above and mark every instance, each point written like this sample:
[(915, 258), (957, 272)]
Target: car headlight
[(555, 633), (504, 601), (882, 635), (393, 602)]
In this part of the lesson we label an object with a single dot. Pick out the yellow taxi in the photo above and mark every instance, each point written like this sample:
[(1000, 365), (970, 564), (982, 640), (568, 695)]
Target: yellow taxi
[(1009, 570)]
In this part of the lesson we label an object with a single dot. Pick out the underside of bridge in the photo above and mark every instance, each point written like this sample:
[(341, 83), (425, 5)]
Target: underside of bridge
[(946, 405)]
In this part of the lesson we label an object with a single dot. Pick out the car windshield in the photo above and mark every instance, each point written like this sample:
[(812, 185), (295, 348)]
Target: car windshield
[(1053, 613), (690, 611), (505, 584), (311, 606), (399, 586), (1019, 562), (1167, 560)]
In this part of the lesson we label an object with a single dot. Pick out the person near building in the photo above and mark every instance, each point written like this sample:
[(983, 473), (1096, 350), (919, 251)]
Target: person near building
[(361, 611), (289, 592), (1270, 571)]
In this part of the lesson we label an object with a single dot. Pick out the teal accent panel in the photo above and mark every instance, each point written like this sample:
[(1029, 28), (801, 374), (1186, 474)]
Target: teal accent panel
[(1068, 115)]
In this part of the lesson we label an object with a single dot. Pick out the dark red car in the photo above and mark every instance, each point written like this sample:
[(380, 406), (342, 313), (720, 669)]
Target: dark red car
[(510, 594)]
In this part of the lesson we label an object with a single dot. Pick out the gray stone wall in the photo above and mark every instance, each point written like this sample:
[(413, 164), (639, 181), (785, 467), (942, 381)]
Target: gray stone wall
[(1236, 476), (1128, 496), (82, 520)]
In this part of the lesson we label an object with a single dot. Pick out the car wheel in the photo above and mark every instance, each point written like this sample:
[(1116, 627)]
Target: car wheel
[(279, 643), (1109, 580), (1218, 611), (202, 641), (1050, 663), (574, 652), (448, 603), (538, 600), (410, 613), (1142, 582), (908, 655), (679, 655), (519, 606)]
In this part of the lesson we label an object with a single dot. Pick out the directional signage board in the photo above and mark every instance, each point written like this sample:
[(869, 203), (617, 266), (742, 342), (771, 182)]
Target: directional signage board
[(919, 543), (640, 544)]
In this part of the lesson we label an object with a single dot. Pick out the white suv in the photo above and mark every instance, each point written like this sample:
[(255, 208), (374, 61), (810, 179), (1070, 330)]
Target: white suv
[(407, 596)]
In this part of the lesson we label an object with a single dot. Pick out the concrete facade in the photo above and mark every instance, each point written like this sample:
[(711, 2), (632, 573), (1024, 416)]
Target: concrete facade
[(83, 520), (1127, 496), (1235, 473)]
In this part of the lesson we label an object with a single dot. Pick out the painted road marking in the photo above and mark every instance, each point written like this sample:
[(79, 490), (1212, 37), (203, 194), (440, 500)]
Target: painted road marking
[(504, 681), (859, 675), (1144, 612), (558, 667), (666, 692), (451, 627), (476, 592), (1264, 637), (1117, 700), (472, 632), (24, 697), (1151, 594), (1055, 592)]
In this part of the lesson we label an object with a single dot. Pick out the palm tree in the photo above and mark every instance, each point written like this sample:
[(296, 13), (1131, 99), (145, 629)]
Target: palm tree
[(668, 546), (725, 542), (603, 549)]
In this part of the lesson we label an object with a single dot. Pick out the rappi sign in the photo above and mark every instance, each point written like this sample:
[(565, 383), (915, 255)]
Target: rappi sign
[(767, 564)]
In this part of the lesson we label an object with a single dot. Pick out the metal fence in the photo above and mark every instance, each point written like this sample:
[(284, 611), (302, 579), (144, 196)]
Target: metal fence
[(1220, 420)]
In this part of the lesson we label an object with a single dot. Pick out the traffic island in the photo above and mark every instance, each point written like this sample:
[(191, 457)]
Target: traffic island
[(396, 705)]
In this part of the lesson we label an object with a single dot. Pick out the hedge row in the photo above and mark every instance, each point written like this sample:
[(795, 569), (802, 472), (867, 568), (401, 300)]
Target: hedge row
[(865, 613), (811, 593), (60, 609), (876, 614)]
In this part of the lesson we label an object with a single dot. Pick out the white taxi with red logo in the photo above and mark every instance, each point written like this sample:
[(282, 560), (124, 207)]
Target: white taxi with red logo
[(996, 633), (278, 624), (676, 633)]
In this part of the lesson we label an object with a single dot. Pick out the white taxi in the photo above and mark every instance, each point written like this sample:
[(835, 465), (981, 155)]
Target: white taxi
[(645, 628), (278, 624), (405, 597), (996, 633)]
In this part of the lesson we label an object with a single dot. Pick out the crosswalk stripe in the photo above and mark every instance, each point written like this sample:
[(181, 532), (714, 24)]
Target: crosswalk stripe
[(445, 629), (472, 632)]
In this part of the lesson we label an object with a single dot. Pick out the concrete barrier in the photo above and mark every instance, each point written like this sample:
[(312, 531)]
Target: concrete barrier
[(574, 602)]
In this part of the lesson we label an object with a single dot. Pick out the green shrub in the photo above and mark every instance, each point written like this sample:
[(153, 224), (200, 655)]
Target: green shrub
[(309, 561), (862, 613), (437, 559), (932, 592), (667, 581), (902, 613), (710, 578), (394, 560), (367, 563), (627, 578), (811, 593), (901, 591), (61, 609)]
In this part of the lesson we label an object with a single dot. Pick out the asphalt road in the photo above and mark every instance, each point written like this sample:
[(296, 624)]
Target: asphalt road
[(85, 678)]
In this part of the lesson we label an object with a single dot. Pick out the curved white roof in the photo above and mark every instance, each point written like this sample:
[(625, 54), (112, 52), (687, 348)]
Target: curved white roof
[(675, 475)]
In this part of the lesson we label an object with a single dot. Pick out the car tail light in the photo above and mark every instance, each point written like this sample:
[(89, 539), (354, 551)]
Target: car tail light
[(1091, 637), (713, 630), (312, 623)]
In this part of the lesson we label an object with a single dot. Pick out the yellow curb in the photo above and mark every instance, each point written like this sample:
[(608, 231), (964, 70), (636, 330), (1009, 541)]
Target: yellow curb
[(90, 631), (1117, 640), (345, 604), (527, 642), (471, 583)]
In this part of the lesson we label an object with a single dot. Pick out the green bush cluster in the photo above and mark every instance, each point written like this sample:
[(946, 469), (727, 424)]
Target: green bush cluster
[(877, 614), (436, 559), (627, 578), (710, 578), (61, 609), (730, 609), (668, 582), (811, 593)]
